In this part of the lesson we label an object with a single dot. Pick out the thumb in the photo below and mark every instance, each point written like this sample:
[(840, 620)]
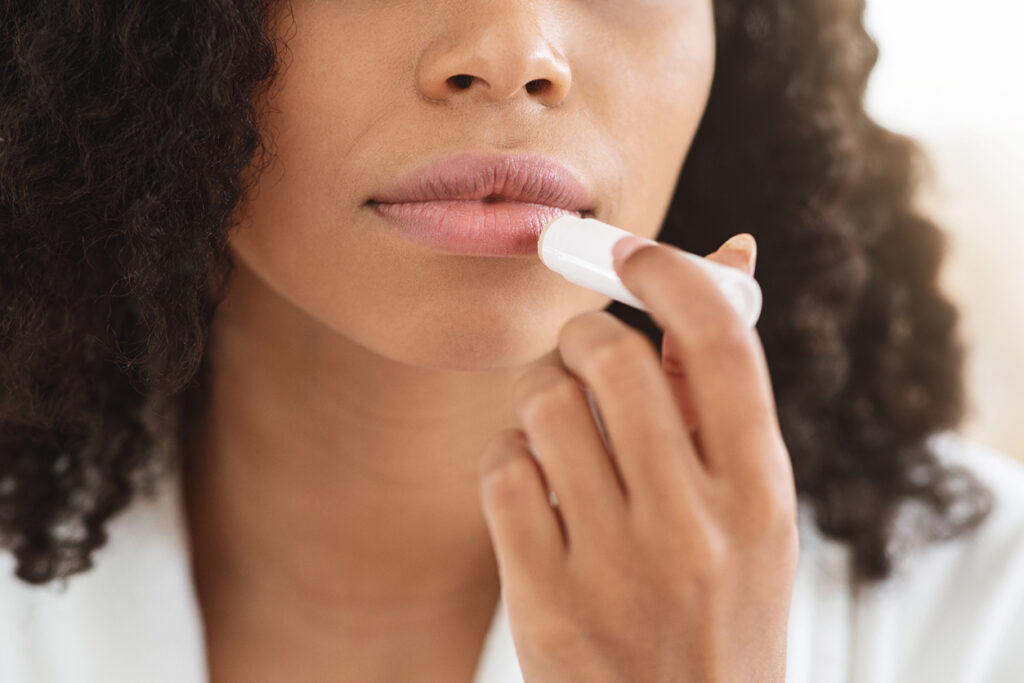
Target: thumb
[(739, 251)]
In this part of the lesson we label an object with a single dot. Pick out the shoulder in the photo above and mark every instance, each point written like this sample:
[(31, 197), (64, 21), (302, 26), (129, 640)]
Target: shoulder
[(133, 616), (1002, 531), (962, 600), (992, 555), (951, 611), (1001, 471)]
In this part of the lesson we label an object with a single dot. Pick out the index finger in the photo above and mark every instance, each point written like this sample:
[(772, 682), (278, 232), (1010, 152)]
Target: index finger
[(724, 360), (671, 361)]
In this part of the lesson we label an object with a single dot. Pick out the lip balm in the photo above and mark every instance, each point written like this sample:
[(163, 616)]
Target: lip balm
[(580, 250)]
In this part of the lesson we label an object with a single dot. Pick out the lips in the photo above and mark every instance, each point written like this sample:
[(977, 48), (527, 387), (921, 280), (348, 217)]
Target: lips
[(481, 204)]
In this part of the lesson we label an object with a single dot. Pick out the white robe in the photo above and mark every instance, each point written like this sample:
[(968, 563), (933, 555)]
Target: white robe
[(953, 614)]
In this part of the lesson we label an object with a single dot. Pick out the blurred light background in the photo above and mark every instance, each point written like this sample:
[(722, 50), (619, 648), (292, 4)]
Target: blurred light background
[(950, 75)]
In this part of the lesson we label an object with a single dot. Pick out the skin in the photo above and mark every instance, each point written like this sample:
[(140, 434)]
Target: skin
[(340, 508), (694, 544)]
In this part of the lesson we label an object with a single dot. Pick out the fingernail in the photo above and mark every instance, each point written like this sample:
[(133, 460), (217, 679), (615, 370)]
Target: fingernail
[(744, 242), (627, 245)]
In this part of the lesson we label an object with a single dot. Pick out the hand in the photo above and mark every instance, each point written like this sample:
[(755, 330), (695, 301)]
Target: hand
[(672, 552)]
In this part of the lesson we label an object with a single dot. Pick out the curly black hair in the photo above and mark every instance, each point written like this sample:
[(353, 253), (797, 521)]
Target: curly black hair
[(131, 132)]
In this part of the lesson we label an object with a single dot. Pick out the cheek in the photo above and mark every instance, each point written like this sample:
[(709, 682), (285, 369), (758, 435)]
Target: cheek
[(666, 87)]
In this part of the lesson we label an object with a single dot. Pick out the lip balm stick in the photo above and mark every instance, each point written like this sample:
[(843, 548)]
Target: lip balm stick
[(580, 250)]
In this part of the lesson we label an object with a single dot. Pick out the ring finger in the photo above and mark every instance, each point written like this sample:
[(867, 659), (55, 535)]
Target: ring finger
[(565, 438)]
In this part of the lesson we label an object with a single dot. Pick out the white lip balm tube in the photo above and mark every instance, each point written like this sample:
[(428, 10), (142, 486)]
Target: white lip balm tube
[(580, 250)]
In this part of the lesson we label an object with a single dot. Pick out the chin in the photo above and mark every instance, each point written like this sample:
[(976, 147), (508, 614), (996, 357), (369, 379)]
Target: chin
[(473, 342), (474, 349)]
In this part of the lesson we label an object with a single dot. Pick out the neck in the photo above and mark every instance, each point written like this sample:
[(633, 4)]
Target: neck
[(333, 484)]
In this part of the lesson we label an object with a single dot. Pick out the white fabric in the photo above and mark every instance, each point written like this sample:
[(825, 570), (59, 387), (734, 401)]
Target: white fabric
[(954, 613)]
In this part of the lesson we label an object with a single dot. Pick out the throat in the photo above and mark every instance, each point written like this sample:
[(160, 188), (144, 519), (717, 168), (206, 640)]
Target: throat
[(247, 641)]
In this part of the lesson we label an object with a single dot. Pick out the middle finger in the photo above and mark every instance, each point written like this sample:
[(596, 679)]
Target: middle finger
[(646, 432)]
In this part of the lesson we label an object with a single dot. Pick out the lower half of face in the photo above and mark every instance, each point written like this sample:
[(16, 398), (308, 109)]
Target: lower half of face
[(624, 92)]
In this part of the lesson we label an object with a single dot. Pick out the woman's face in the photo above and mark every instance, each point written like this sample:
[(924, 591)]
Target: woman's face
[(366, 94)]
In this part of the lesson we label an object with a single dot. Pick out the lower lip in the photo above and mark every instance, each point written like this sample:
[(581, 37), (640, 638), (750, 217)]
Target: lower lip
[(472, 227)]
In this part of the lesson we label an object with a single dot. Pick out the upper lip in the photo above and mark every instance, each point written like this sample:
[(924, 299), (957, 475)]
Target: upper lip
[(528, 178)]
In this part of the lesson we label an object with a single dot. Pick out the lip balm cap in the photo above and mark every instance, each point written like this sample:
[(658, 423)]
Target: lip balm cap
[(579, 249)]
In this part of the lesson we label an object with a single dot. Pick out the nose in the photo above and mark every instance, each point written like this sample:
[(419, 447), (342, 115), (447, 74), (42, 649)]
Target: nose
[(493, 51)]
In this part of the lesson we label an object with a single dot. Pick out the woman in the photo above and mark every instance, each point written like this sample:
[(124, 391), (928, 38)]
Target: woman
[(322, 444)]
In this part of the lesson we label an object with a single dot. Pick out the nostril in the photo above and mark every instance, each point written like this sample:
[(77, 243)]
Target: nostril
[(536, 86), (461, 81)]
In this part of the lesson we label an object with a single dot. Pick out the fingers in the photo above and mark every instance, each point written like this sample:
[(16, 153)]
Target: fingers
[(671, 361), (739, 252), (726, 371), (558, 422), (526, 532), (679, 385), (646, 433)]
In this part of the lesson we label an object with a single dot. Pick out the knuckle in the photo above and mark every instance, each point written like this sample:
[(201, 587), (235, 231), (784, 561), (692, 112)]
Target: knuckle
[(582, 327), (542, 390), (709, 560), (783, 520), (725, 334), (507, 440), (768, 514), (502, 447), (777, 535), (714, 555), (506, 483), (615, 352)]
